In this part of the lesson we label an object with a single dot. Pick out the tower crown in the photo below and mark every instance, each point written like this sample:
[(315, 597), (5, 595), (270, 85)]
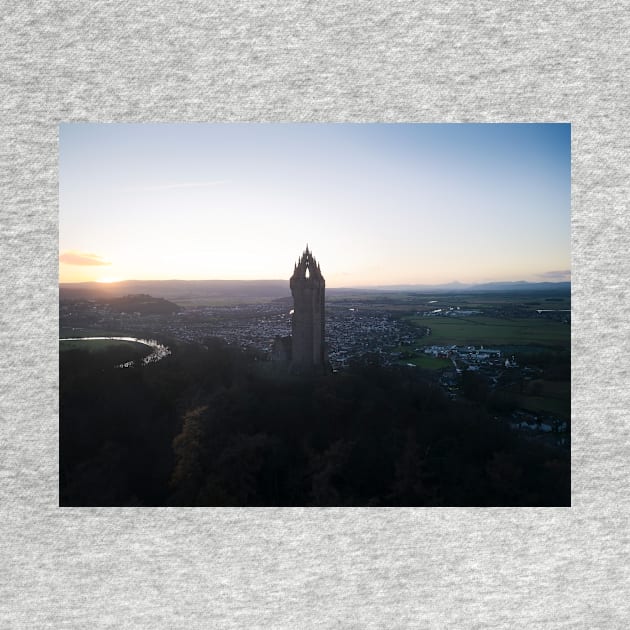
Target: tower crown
[(308, 321), (307, 267)]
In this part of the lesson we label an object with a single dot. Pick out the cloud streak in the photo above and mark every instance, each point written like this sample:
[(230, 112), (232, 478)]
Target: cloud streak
[(84, 259)]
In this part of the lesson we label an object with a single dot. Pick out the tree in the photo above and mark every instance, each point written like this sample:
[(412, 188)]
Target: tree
[(188, 474)]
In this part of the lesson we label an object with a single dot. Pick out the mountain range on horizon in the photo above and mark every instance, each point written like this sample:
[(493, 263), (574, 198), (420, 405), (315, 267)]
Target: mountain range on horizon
[(172, 289), (476, 286)]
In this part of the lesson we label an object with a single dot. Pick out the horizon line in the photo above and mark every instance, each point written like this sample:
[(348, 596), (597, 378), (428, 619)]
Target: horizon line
[(363, 286)]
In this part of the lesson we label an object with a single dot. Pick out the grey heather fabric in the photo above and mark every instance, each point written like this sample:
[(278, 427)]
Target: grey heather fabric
[(302, 61)]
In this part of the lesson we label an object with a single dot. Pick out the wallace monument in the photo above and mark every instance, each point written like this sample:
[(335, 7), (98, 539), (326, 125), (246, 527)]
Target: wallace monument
[(305, 349)]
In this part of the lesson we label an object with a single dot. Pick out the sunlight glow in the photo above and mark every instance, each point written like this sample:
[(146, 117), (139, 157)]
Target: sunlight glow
[(108, 280), (382, 204)]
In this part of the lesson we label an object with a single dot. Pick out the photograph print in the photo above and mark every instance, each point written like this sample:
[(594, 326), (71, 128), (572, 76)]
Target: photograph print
[(356, 315)]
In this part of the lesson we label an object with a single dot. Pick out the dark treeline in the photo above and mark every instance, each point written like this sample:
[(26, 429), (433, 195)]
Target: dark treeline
[(218, 427)]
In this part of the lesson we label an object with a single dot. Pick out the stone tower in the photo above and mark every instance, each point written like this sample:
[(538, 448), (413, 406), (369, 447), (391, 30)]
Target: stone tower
[(307, 286)]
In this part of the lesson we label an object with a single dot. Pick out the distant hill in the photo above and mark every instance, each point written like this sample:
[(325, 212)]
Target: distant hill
[(176, 289), (460, 287), (141, 303), (270, 289), (522, 286)]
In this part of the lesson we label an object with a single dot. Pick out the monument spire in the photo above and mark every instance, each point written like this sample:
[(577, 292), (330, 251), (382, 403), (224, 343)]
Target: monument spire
[(308, 324)]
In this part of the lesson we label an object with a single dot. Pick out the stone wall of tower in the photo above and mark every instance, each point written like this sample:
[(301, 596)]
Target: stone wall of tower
[(308, 325)]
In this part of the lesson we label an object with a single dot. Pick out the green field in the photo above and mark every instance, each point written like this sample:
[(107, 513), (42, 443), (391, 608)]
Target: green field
[(429, 363), (546, 396), (545, 404), (525, 301), (490, 331)]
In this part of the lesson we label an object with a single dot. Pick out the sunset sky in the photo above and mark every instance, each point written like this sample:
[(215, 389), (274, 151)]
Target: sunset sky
[(377, 203)]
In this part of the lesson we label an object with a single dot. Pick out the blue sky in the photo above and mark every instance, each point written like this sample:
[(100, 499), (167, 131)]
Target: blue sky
[(377, 203)]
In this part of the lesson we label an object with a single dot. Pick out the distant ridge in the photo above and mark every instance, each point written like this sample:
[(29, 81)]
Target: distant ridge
[(176, 289), (271, 289), (518, 285)]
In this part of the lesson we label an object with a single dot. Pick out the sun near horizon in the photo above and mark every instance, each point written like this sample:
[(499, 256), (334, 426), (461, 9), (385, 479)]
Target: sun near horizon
[(109, 280), (371, 275), (552, 276)]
